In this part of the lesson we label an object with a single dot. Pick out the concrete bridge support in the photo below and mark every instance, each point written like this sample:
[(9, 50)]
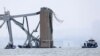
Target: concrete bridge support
[(46, 29)]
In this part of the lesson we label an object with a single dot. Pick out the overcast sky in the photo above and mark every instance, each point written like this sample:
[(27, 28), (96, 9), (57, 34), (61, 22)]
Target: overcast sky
[(81, 20)]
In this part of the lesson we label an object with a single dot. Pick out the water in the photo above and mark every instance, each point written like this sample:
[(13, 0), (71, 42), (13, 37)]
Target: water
[(51, 52)]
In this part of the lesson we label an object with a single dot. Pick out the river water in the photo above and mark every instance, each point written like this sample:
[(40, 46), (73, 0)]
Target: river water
[(51, 52)]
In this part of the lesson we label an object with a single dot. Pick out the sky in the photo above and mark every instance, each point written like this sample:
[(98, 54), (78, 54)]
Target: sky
[(81, 20)]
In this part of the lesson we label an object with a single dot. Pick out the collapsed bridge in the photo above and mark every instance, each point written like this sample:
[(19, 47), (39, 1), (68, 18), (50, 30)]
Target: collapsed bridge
[(46, 29)]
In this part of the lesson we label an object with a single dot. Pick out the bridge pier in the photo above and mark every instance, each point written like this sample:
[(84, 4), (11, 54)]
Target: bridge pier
[(46, 29)]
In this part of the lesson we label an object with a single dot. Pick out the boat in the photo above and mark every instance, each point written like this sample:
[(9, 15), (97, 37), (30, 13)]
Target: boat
[(91, 43)]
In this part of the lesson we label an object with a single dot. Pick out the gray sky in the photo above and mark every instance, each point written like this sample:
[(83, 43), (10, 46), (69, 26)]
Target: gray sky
[(81, 20)]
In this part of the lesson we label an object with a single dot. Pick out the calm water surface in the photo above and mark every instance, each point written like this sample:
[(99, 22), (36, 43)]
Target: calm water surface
[(51, 52)]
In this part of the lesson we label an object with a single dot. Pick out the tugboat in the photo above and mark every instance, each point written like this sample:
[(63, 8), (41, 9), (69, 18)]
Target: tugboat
[(90, 44)]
